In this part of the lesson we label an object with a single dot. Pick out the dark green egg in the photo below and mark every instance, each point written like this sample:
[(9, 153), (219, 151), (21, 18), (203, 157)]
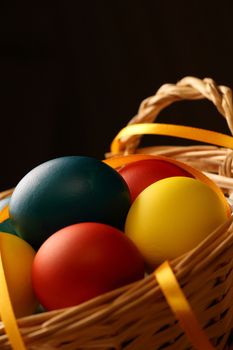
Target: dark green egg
[(7, 226), (64, 191)]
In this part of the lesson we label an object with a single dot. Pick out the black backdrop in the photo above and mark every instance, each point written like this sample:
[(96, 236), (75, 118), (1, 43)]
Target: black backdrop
[(73, 73)]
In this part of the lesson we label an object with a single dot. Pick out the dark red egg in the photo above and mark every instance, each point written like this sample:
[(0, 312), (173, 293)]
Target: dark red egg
[(141, 174)]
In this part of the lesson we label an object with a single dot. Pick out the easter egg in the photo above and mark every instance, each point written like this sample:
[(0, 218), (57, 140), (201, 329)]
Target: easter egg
[(172, 216), (8, 227), (139, 175), (64, 191), (17, 257), (82, 261)]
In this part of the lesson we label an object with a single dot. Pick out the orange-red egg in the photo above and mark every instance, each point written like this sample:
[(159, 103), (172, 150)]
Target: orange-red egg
[(82, 261)]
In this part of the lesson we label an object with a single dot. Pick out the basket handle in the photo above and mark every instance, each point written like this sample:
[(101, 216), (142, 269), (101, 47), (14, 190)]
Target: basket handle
[(189, 88)]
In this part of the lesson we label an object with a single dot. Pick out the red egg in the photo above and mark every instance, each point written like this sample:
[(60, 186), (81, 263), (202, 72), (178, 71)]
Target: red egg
[(82, 261), (140, 174)]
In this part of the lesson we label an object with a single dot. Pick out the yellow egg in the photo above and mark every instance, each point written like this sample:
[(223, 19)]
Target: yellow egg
[(172, 216), (17, 257)]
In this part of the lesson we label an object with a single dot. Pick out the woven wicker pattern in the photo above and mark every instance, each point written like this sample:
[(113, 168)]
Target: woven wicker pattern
[(137, 316)]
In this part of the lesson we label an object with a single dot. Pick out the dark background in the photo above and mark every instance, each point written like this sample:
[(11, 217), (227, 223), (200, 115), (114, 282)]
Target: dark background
[(74, 73)]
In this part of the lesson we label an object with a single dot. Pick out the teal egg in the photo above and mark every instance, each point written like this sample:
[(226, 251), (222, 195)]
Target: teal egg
[(7, 226), (65, 191)]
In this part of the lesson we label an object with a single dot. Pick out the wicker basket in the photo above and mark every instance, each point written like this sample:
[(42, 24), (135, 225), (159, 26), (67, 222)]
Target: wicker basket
[(137, 316)]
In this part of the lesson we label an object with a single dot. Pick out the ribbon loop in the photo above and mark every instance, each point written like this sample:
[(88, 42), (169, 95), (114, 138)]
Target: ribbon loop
[(186, 132)]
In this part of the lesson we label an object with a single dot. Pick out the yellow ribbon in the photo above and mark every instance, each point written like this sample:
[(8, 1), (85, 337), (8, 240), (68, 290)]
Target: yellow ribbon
[(186, 132), (181, 307), (4, 213), (6, 311)]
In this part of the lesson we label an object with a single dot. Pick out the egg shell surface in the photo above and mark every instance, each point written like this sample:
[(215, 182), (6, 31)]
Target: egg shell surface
[(172, 216), (139, 175), (64, 191), (82, 261)]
